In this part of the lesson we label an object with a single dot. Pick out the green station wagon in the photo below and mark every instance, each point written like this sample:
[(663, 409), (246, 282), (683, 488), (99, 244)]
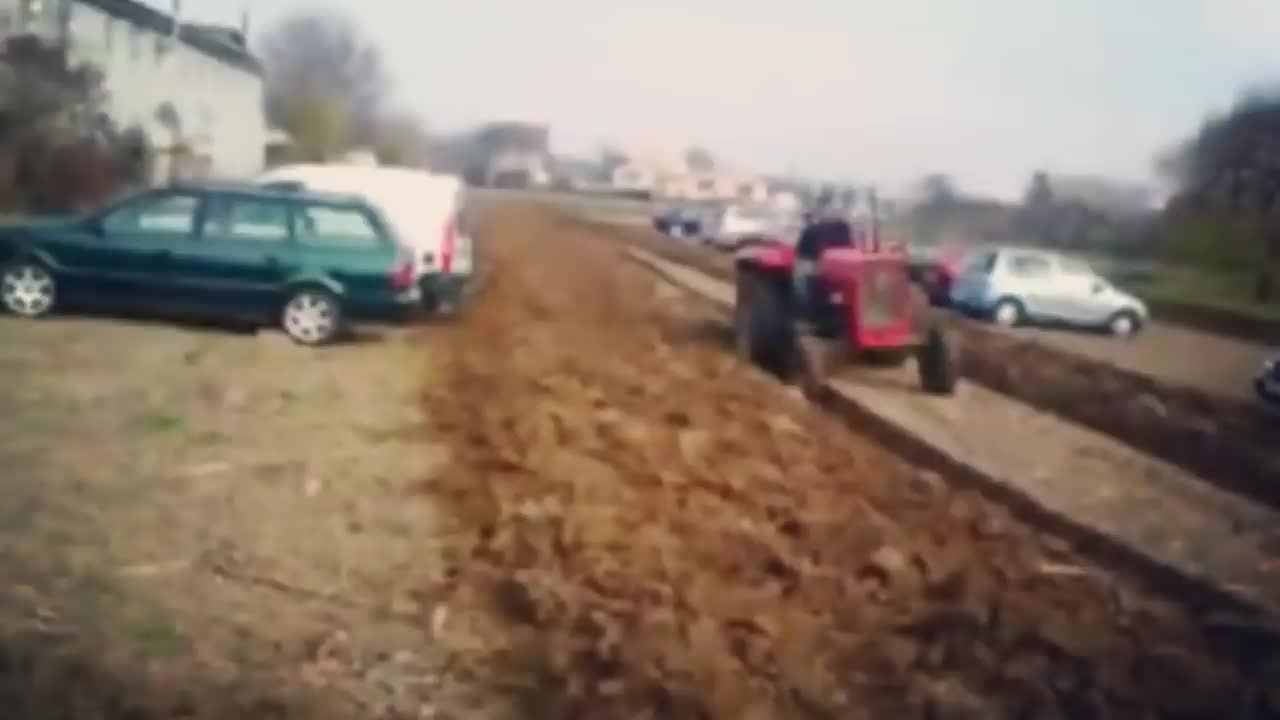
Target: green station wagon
[(306, 261)]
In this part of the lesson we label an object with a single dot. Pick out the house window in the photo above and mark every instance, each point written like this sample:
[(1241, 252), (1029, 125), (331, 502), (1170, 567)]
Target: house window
[(135, 43), (109, 33)]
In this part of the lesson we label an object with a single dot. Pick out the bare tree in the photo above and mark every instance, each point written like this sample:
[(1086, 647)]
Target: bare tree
[(46, 95), (939, 190), (325, 82), (58, 148), (402, 140), (1039, 192), (699, 159)]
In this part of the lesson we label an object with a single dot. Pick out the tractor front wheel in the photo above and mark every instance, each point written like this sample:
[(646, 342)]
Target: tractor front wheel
[(762, 328), (937, 360)]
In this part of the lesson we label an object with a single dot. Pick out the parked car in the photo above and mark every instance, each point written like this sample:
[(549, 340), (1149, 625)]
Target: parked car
[(1017, 285), (425, 211), (739, 224), (1267, 383), (308, 262), (935, 270), (679, 222)]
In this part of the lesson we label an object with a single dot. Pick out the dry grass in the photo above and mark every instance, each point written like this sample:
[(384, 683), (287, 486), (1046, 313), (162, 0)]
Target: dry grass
[(207, 524)]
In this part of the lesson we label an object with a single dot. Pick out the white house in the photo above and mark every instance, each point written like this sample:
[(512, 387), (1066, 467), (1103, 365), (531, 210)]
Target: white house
[(664, 172), (195, 90), (633, 178)]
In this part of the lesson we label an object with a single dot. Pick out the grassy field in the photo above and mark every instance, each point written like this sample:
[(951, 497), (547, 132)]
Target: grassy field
[(198, 523), (1217, 289), (1206, 262)]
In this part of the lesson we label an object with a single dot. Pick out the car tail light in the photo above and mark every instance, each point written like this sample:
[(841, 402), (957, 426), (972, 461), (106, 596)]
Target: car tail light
[(402, 276), (449, 238)]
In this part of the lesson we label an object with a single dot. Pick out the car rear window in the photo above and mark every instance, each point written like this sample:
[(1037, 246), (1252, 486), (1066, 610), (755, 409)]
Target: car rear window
[(337, 227)]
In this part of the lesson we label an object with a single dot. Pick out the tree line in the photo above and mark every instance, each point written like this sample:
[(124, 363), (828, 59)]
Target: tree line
[(328, 88), (1224, 212)]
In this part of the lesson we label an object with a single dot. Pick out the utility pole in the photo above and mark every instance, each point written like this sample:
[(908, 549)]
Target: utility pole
[(245, 12)]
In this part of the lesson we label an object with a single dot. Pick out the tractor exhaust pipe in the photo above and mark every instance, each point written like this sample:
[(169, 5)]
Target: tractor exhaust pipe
[(875, 219)]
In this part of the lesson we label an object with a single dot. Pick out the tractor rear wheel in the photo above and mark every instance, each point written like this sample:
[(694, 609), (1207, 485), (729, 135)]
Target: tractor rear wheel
[(762, 327), (937, 360)]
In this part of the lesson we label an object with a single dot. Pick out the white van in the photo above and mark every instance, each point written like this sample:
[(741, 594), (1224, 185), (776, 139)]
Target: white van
[(424, 209)]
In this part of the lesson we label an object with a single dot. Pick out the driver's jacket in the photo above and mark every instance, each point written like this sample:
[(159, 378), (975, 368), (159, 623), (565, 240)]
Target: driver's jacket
[(814, 240)]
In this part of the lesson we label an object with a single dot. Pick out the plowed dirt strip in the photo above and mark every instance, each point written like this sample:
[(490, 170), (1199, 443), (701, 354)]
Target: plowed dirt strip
[(644, 528), (1226, 440)]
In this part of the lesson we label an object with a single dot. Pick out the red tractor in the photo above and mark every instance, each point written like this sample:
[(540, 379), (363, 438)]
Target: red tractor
[(837, 291)]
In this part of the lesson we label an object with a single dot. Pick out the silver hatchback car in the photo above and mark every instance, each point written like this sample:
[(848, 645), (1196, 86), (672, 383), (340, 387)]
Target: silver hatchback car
[(1015, 285)]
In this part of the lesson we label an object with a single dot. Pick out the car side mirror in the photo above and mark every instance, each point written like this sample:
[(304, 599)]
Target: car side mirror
[(94, 226), (1099, 287)]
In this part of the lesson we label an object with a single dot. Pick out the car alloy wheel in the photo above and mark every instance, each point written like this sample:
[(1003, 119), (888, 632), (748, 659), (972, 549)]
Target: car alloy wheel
[(1007, 313), (28, 290), (312, 317), (1123, 325)]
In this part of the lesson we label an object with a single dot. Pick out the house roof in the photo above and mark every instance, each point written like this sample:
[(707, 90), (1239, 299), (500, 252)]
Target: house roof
[(214, 42)]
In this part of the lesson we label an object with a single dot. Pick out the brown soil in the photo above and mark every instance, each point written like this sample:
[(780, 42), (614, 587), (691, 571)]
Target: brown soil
[(1226, 441), (641, 527)]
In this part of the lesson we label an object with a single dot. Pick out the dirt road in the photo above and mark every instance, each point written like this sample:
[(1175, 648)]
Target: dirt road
[(1057, 471), (1170, 353), (641, 527)]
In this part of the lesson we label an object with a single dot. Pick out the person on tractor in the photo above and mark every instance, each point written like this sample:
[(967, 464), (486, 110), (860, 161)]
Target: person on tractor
[(808, 288)]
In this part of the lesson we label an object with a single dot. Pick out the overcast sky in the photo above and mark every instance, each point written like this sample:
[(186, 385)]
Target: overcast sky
[(883, 90)]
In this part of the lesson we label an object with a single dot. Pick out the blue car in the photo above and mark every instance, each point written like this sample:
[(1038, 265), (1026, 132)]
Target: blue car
[(679, 222)]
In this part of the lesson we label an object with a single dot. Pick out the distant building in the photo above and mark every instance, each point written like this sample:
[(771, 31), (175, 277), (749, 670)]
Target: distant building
[(512, 154), (723, 186), (195, 91), (664, 173), (518, 167), (634, 179), (578, 174)]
